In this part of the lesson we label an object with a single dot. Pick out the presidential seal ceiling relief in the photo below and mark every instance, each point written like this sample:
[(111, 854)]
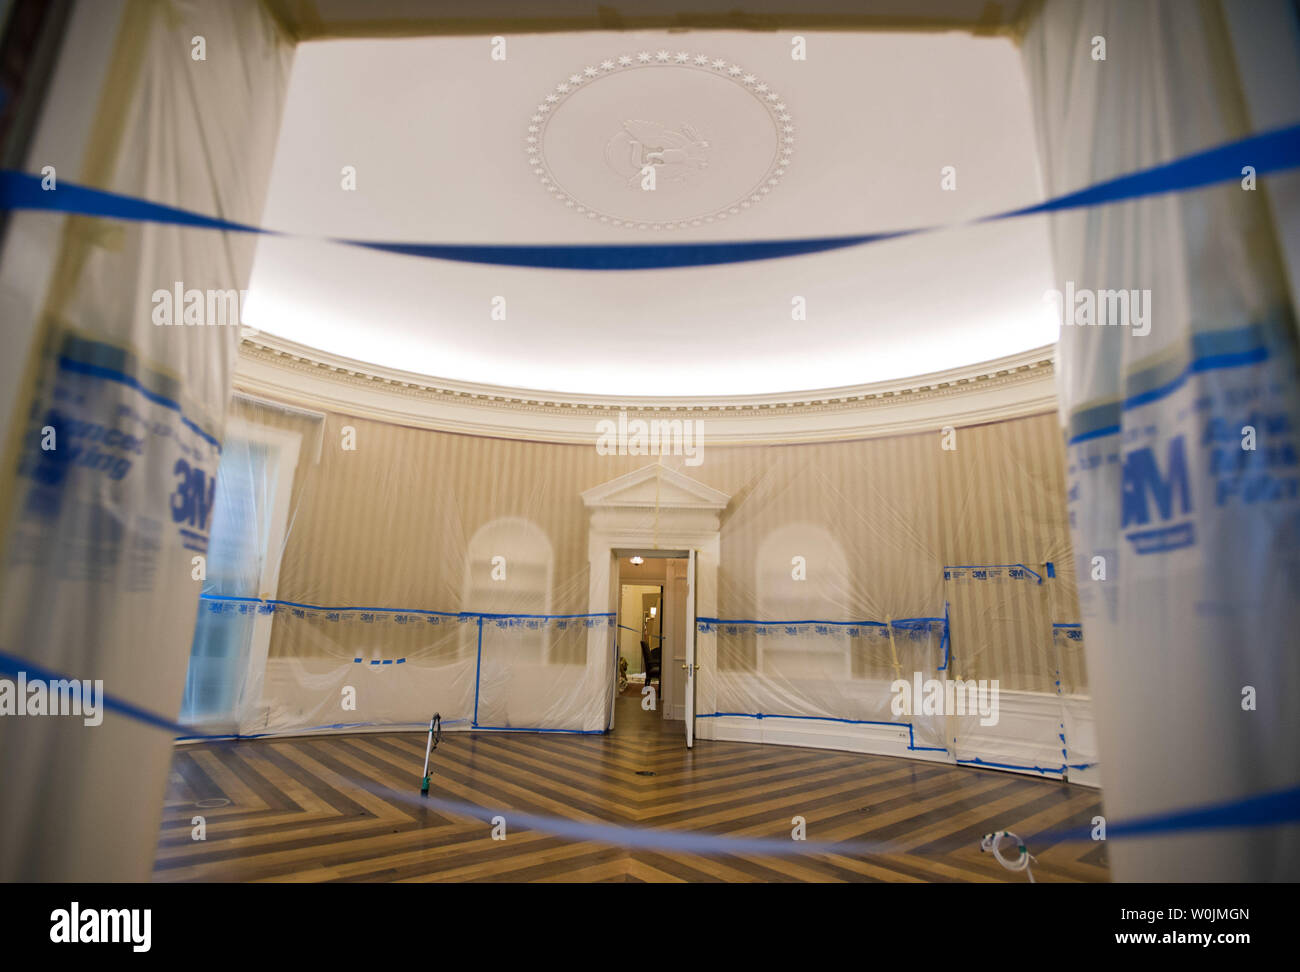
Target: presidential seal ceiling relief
[(660, 140)]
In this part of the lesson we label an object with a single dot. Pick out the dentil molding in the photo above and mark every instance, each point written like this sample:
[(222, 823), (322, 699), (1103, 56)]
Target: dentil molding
[(285, 371)]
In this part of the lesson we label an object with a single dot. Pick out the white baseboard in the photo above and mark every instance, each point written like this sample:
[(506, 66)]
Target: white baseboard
[(1026, 736)]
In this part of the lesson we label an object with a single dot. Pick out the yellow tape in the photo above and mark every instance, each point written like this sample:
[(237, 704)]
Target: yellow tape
[(893, 650)]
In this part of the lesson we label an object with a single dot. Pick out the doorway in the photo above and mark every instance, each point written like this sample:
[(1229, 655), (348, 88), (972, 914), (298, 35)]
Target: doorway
[(656, 511), (651, 625)]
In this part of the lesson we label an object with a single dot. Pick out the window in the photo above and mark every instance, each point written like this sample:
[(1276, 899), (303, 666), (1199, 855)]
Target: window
[(250, 516)]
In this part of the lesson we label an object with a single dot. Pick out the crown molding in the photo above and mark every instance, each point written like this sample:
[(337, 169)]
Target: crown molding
[(285, 371)]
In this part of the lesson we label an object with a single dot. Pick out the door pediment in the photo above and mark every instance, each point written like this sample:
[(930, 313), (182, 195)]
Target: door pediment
[(655, 487)]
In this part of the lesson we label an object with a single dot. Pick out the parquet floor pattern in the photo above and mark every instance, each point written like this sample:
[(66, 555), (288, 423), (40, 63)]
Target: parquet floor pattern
[(299, 809)]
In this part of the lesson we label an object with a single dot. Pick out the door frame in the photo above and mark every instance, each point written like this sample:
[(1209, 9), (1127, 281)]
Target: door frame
[(652, 510), (616, 586)]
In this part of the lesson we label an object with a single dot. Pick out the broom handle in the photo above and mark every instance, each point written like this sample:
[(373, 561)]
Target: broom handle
[(427, 747)]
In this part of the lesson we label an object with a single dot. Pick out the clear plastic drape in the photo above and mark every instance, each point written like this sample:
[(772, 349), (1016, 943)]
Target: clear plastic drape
[(1182, 436), (419, 572), (122, 421), (469, 615)]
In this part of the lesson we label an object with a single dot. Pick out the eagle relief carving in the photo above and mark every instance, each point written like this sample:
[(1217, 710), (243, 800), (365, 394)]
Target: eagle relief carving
[(677, 154)]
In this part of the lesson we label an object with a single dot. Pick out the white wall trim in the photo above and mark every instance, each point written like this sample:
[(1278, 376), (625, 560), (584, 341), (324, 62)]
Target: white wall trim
[(1026, 735), (1010, 387)]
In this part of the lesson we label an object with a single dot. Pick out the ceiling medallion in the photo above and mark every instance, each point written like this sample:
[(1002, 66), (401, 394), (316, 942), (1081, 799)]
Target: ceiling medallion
[(717, 138)]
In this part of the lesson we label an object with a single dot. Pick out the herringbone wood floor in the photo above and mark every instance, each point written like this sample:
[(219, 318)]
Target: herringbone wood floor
[(294, 813)]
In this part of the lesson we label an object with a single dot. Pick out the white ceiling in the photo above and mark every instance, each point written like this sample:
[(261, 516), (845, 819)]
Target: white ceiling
[(437, 132)]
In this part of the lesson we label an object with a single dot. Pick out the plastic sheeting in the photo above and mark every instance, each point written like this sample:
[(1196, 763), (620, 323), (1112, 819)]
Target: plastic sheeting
[(421, 571), (121, 426), (1185, 531), (475, 623), (901, 561)]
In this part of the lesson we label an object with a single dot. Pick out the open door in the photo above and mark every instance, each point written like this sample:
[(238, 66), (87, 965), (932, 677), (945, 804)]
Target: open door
[(615, 589), (691, 667)]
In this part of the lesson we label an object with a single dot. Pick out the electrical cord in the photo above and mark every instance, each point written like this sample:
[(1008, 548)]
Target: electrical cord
[(1021, 863)]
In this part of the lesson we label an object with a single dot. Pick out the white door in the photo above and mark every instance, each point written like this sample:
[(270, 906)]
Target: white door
[(691, 667), (615, 603)]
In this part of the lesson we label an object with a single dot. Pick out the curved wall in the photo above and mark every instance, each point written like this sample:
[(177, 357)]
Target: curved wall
[(389, 524)]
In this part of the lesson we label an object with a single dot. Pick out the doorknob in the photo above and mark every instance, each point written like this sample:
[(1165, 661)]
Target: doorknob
[(697, 666)]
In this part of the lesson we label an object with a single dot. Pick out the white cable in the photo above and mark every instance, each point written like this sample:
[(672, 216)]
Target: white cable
[(1021, 863)]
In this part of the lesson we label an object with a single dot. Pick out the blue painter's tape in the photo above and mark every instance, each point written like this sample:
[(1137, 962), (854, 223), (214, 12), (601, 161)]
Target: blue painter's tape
[(1259, 810), (575, 732), (12, 665), (1030, 570), (911, 737), (110, 374), (1100, 433), (897, 622), (468, 615), (1218, 362), (1268, 152), (976, 761), (478, 668), (946, 644), (541, 617), (765, 715)]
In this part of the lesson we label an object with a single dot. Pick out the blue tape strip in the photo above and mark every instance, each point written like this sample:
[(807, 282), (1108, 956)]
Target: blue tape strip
[(544, 617), (1265, 809), (295, 732), (1259, 810), (1210, 351), (478, 669), (1214, 362), (1100, 433), (994, 567), (110, 374), (1268, 152), (897, 622), (642, 838), (575, 732), (12, 665), (946, 644), (976, 761), (911, 736), (384, 610)]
